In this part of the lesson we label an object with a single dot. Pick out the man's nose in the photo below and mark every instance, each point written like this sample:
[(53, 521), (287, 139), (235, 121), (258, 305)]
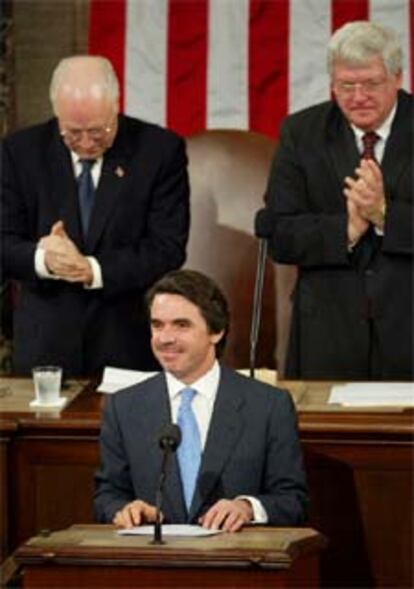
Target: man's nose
[(85, 141), (166, 336), (359, 92)]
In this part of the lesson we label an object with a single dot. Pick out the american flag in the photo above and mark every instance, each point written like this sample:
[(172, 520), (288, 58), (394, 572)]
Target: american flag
[(191, 65)]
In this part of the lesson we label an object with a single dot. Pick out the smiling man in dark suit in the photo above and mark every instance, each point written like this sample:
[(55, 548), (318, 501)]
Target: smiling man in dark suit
[(95, 208), (248, 464), (340, 204)]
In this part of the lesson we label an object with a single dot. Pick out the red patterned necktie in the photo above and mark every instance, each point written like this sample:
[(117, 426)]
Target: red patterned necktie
[(369, 140)]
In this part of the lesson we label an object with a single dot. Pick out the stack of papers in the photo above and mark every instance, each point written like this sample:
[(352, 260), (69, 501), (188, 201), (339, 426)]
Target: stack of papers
[(373, 394), (115, 379)]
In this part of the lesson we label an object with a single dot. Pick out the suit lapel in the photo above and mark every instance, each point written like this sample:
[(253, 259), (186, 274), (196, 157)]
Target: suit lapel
[(342, 147), (399, 148), (225, 429), (114, 176)]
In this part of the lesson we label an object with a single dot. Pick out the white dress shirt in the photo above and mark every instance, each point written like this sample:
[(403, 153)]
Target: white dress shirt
[(203, 404)]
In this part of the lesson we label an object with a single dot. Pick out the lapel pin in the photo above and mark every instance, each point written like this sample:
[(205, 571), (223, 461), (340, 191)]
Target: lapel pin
[(120, 172)]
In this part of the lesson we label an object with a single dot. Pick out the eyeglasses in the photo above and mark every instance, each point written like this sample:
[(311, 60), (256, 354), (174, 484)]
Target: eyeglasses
[(368, 87), (95, 133)]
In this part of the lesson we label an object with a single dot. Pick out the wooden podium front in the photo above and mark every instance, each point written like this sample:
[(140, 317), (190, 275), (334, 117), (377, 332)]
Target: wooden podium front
[(96, 556)]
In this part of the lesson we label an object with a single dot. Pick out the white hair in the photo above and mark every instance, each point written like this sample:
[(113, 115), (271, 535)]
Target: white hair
[(357, 42), (104, 82)]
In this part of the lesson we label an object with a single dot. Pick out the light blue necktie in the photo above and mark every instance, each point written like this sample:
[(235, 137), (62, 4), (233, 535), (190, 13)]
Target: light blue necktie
[(86, 191), (189, 451)]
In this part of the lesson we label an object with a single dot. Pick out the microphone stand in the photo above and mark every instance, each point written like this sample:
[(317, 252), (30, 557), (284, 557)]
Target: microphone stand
[(169, 440), (157, 539), (257, 303)]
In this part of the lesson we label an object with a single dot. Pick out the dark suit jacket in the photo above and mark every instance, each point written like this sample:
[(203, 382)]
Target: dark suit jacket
[(352, 313), (252, 448), (138, 231)]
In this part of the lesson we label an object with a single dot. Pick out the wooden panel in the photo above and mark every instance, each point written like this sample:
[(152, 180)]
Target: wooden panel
[(360, 499), (7, 429), (53, 484), (58, 485), (64, 24), (305, 574), (4, 530)]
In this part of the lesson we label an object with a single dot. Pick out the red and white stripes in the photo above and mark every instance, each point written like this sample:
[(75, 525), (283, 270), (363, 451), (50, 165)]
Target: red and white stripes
[(244, 64)]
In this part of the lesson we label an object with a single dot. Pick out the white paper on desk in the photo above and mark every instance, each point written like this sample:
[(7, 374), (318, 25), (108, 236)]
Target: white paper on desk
[(373, 394), (170, 530), (115, 379)]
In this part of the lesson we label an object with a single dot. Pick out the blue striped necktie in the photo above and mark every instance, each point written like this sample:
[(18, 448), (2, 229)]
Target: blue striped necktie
[(86, 191), (189, 451)]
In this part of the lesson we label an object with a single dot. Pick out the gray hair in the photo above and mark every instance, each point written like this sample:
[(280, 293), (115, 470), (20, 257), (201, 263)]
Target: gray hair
[(107, 80), (357, 42)]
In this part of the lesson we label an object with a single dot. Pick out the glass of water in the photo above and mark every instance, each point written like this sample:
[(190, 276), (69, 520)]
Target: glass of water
[(47, 384)]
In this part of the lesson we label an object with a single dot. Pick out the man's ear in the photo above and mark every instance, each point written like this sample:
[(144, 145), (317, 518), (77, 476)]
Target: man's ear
[(216, 337)]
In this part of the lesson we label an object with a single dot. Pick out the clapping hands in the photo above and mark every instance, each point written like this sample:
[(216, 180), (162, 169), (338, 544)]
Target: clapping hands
[(63, 258)]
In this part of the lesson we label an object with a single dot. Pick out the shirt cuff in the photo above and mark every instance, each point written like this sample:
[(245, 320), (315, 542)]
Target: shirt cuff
[(351, 245), (259, 512), (40, 265), (97, 281)]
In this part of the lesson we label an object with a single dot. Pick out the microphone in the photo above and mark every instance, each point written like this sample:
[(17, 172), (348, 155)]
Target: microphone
[(263, 226), (168, 439)]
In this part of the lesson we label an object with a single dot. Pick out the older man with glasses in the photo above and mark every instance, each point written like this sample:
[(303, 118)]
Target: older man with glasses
[(95, 209), (339, 205)]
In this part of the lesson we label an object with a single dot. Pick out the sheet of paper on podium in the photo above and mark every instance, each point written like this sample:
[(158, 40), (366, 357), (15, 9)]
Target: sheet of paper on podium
[(373, 394), (115, 379), (170, 530)]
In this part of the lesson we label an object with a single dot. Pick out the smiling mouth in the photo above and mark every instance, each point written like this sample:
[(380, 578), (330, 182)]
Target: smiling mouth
[(168, 352), (364, 108), (362, 112)]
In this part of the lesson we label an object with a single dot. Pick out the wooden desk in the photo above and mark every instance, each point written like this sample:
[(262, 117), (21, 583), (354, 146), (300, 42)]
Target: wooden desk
[(360, 474), (95, 556), (7, 430), (359, 464)]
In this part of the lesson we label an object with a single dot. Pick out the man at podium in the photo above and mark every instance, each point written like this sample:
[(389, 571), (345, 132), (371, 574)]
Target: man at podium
[(239, 460)]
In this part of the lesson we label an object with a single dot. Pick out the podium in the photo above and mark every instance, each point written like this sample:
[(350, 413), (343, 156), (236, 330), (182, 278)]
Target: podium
[(96, 556)]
